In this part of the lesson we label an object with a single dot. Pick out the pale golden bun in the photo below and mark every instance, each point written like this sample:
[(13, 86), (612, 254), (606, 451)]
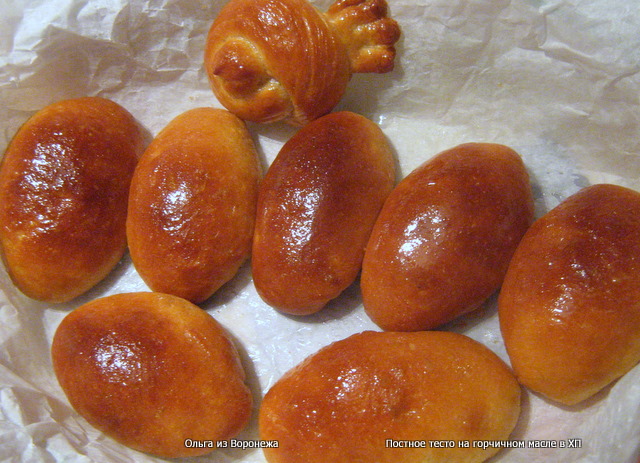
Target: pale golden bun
[(192, 204), (444, 238), (152, 370), (570, 304), (64, 182), (269, 60), (316, 207), (341, 404)]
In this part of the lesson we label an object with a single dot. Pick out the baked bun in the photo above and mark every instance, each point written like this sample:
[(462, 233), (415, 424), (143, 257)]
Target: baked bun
[(152, 371), (269, 60), (316, 207), (192, 204), (387, 397), (444, 238), (569, 307), (64, 183)]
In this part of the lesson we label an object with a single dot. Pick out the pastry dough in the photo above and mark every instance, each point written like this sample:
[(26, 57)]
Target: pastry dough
[(444, 238), (269, 60), (316, 207), (192, 204), (570, 304), (152, 371), (347, 402), (64, 183)]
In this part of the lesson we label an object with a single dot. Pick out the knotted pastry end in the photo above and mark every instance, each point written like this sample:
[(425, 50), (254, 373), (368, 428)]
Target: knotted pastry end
[(242, 83), (367, 31)]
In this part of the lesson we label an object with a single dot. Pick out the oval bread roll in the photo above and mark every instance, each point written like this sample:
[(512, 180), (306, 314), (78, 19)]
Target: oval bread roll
[(270, 60), (344, 403), (570, 304), (316, 207), (64, 183), (152, 370), (444, 238), (192, 204)]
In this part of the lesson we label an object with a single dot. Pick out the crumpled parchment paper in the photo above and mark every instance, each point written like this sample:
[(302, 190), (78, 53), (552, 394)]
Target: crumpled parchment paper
[(557, 80)]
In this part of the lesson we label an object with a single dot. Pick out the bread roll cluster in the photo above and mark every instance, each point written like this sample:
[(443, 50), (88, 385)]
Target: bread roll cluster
[(151, 370), (154, 371)]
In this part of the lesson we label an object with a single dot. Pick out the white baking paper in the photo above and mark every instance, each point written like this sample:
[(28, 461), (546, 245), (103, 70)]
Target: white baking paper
[(557, 80)]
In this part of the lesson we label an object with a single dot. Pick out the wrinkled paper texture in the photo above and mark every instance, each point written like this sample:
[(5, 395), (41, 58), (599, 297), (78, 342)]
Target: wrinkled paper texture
[(557, 80)]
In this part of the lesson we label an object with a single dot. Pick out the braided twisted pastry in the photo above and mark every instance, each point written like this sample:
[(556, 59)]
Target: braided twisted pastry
[(269, 60)]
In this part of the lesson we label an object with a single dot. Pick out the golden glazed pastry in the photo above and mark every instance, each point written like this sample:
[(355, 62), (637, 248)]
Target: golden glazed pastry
[(444, 238), (570, 304), (316, 207), (152, 371), (192, 204), (64, 183), (362, 399), (269, 60)]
